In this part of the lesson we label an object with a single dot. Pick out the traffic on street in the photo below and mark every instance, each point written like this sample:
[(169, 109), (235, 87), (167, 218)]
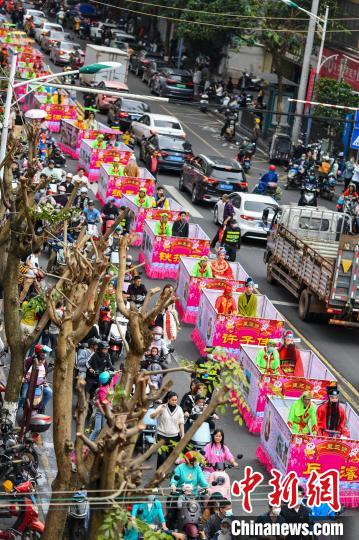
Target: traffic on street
[(179, 278)]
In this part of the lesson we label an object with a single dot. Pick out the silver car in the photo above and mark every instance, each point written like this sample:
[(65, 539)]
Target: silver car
[(248, 210), (60, 52)]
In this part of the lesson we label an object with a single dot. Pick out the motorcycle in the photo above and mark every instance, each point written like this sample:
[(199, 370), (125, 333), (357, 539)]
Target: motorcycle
[(219, 481), (294, 176), (229, 128), (189, 513), (24, 508), (78, 516), (204, 102), (327, 187), (116, 338), (271, 189), (309, 193), (148, 435)]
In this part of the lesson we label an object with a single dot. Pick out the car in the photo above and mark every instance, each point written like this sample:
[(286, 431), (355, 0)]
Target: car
[(60, 52), (125, 111), (153, 67), (171, 151), (248, 208), (33, 13), (96, 31), (104, 102), (46, 27), (140, 60), (175, 83), (208, 177), (149, 124), (52, 37), (121, 36)]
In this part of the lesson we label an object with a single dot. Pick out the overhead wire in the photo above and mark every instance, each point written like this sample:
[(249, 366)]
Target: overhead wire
[(200, 23), (219, 26)]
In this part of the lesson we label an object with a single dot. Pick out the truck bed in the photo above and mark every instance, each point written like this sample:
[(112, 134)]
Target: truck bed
[(309, 262)]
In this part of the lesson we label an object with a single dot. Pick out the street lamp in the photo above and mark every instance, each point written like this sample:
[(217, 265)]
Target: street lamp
[(89, 69), (314, 20)]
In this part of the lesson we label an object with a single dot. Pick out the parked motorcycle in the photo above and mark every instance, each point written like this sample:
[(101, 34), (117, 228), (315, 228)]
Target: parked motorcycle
[(21, 504)]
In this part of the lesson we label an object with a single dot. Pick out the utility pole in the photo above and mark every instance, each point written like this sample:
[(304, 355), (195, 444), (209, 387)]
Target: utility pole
[(7, 110), (305, 69)]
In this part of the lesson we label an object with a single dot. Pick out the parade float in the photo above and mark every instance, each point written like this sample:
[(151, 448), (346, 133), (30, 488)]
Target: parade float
[(92, 156), (57, 105), (73, 131), (139, 214), (233, 331), (189, 287), (113, 185), (281, 449), (161, 254), (258, 385)]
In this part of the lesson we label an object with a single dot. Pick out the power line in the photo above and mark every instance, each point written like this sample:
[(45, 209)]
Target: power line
[(200, 23), (215, 13)]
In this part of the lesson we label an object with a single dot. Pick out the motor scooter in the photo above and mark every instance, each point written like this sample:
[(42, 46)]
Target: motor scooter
[(204, 102), (309, 193), (148, 435), (115, 339), (202, 437), (24, 508), (78, 516), (189, 513), (327, 187)]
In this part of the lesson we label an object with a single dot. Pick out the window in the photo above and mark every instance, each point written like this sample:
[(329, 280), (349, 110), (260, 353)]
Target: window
[(237, 201), (229, 175), (171, 124), (312, 224), (256, 206)]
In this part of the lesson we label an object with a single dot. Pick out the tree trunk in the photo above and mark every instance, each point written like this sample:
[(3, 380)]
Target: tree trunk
[(62, 400), (12, 329)]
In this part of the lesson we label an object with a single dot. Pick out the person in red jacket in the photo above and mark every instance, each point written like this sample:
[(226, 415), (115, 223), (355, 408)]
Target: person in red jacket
[(225, 303), (290, 359), (331, 415)]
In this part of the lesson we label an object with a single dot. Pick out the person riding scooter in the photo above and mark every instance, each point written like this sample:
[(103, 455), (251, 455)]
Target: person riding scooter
[(41, 381), (189, 472), (270, 177)]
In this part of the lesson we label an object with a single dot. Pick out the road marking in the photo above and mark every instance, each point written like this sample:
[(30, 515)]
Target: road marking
[(339, 376), (184, 202), (280, 303), (194, 133)]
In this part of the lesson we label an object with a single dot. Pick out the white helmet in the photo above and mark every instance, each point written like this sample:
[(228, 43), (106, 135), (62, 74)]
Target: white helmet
[(69, 175), (84, 190)]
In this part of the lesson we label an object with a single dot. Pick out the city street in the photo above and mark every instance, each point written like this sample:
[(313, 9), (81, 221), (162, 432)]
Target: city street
[(336, 346)]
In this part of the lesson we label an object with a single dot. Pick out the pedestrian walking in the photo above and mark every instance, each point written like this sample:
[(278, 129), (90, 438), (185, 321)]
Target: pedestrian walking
[(231, 239), (349, 172), (197, 79), (170, 424)]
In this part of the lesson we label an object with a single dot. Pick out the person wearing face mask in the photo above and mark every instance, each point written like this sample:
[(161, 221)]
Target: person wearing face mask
[(225, 532), (247, 301), (290, 359), (149, 512), (159, 342), (272, 516), (299, 514), (213, 524), (267, 359)]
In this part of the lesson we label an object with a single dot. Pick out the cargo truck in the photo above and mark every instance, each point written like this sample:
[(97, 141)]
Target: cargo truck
[(96, 54), (311, 254)]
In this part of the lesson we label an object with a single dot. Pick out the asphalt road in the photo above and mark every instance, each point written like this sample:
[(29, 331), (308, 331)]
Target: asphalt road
[(336, 346)]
